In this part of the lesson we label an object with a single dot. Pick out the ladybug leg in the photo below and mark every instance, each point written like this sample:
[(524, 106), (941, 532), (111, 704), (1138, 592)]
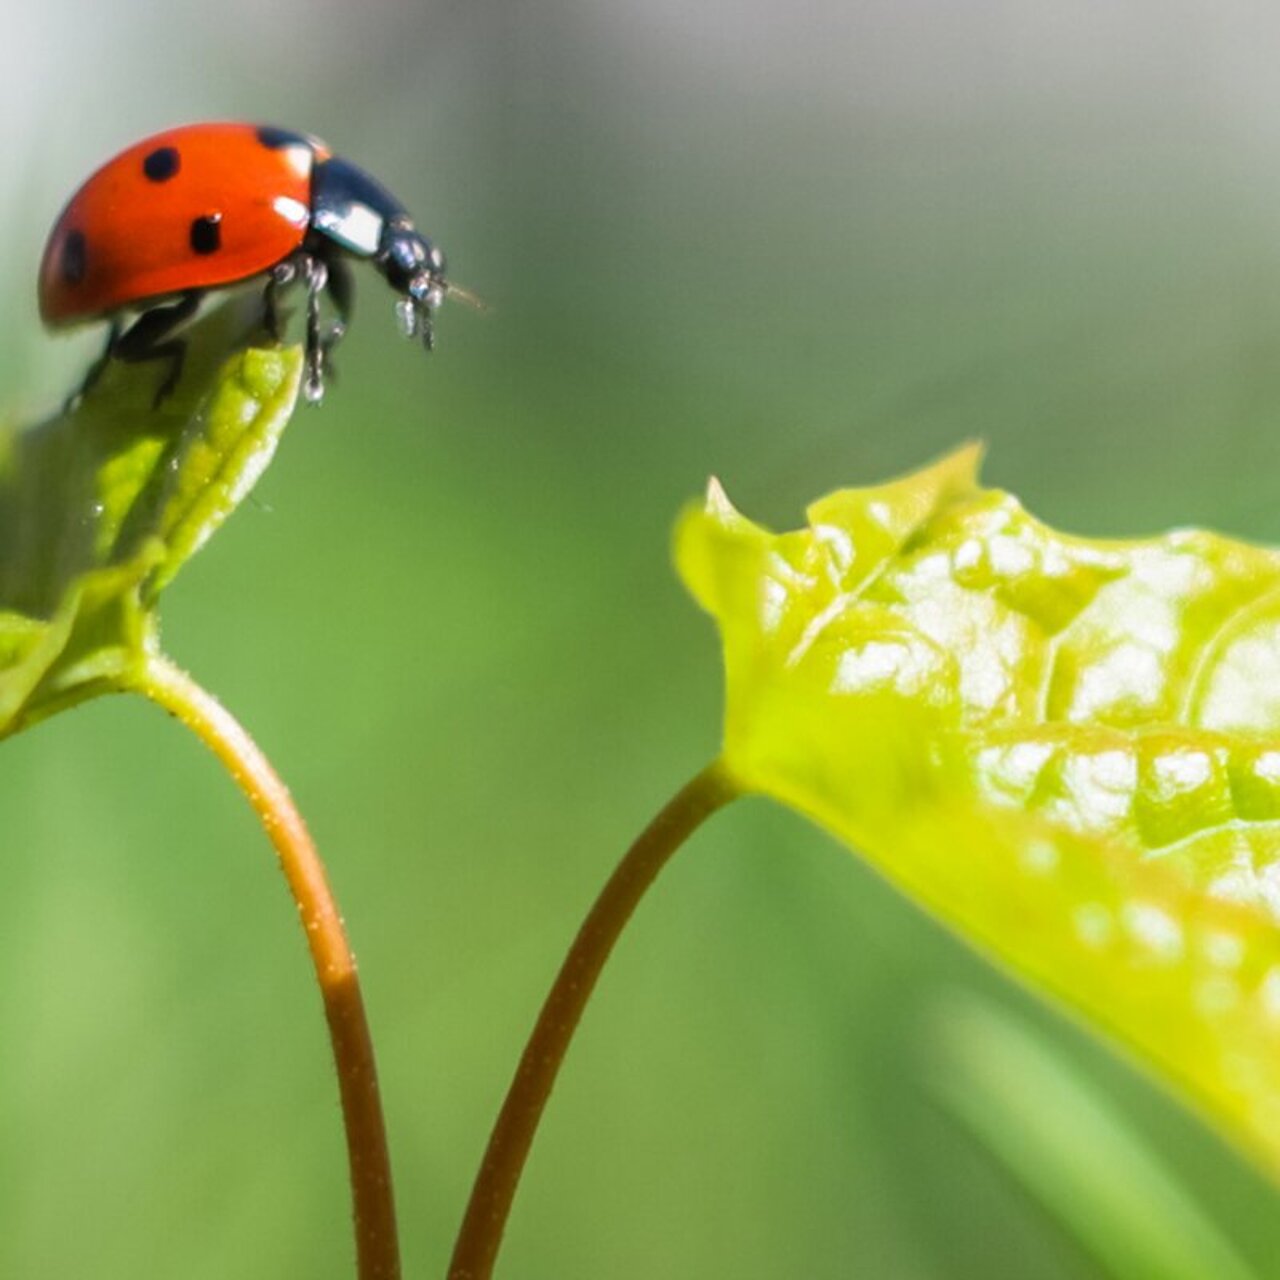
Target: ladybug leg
[(341, 290), (282, 273), (320, 275), (315, 275), (342, 294), (96, 369), (146, 340)]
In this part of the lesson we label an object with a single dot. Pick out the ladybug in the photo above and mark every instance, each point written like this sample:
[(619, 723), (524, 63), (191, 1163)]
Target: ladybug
[(203, 206)]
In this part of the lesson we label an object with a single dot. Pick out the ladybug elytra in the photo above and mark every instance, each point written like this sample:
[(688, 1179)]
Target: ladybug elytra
[(204, 206)]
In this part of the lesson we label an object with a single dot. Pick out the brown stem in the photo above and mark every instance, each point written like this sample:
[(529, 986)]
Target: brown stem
[(513, 1133), (377, 1247)]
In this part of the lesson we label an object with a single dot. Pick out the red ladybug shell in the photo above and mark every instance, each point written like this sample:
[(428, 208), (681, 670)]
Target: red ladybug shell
[(196, 207)]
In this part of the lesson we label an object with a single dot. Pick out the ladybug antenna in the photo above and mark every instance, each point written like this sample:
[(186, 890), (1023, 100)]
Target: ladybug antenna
[(472, 300), (416, 316)]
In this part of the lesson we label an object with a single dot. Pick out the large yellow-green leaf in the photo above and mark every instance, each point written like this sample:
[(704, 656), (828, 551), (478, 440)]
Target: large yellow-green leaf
[(1068, 749), (101, 506)]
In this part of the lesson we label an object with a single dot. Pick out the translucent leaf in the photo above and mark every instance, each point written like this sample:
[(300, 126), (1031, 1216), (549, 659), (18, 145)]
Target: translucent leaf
[(102, 505), (1068, 749)]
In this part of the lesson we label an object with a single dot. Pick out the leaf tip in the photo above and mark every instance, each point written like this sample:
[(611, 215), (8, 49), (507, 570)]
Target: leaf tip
[(716, 502), (968, 458)]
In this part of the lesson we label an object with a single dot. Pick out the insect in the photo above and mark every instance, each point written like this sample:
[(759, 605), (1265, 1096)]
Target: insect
[(203, 206)]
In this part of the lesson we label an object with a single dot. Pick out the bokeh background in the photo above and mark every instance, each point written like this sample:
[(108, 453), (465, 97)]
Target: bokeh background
[(798, 246)]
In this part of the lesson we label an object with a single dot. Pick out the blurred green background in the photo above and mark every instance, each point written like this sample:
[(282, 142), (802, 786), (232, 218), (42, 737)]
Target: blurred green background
[(797, 246)]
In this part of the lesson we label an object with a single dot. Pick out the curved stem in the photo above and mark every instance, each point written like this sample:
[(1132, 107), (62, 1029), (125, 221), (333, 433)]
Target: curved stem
[(377, 1247), (504, 1158)]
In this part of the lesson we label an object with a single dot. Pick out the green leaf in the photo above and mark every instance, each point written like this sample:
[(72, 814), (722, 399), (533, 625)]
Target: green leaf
[(101, 505), (1070, 1147), (1069, 750)]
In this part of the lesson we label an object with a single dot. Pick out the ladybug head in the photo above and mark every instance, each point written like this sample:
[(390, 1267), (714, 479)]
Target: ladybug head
[(414, 268)]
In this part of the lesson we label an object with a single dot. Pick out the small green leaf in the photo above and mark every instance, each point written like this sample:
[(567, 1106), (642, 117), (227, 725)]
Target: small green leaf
[(102, 505), (1067, 749)]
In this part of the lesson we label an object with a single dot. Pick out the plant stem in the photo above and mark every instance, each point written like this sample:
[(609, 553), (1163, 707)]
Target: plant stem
[(377, 1246), (480, 1236)]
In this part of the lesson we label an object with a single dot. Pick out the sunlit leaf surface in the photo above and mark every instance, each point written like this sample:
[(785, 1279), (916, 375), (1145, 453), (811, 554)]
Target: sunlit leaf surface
[(102, 505), (1068, 749)]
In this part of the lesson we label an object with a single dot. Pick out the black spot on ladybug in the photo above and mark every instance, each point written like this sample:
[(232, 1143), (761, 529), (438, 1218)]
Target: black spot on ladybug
[(206, 233), (161, 164), (73, 258), (275, 138)]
